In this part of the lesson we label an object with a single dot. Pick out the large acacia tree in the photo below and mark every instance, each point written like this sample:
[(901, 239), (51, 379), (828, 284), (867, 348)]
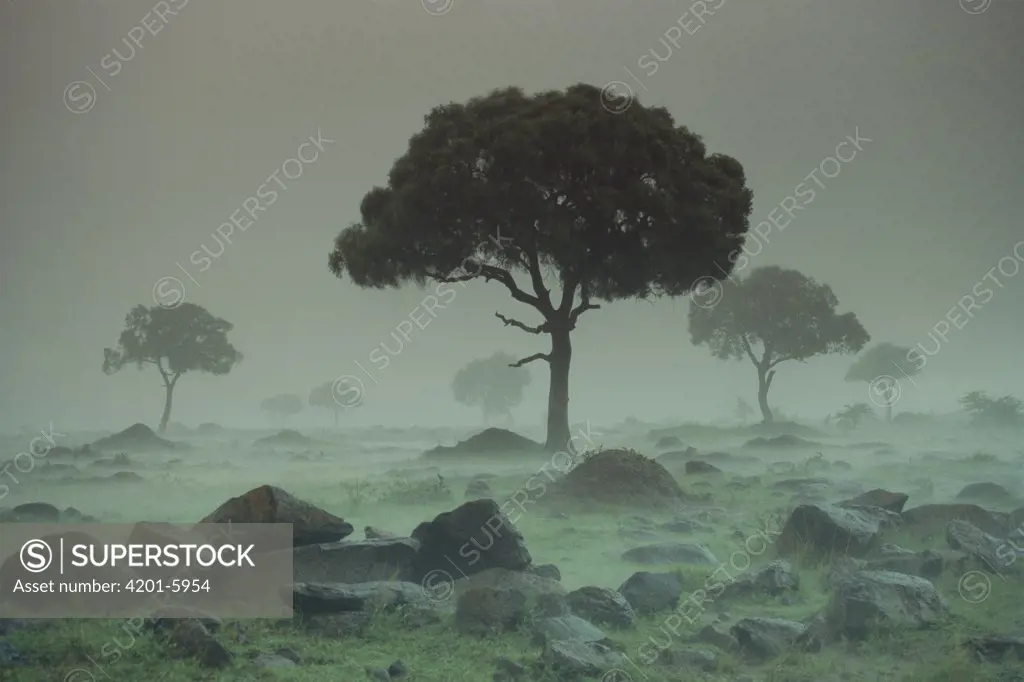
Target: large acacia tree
[(491, 384), (584, 204), (773, 316), (177, 340), (880, 367)]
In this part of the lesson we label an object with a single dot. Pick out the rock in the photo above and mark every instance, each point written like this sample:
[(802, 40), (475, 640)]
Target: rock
[(286, 438), (868, 601), (571, 659), (995, 555), (928, 564), (827, 529), (357, 561), (372, 533), (337, 625), (673, 457), (684, 526), (491, 442), (378, 674), (621, 478), (762, 639), (136, 438), (650, 593), (931, 517), (550, 605), (487, 610), (269, 661), (775, 579), (533, 586), (712, 635), (602, 606), (983, 491), (319, 598), (270, 504), (666, 442), (687, 657), (11, 657), (398, 668), (671, 553), (567, 628), (802, 484), (783, 442), (696, 466), (31, 512), (478, 488), (549, 571), (995, 648), (191, 638), (471, 538), (878, 498)]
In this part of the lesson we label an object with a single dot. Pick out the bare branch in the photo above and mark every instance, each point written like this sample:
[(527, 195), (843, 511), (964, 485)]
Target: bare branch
[(532, 358), (583, 307), (509, 322), (487, 273)]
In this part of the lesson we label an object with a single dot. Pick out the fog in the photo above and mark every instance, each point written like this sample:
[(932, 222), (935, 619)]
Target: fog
[(101, 204)]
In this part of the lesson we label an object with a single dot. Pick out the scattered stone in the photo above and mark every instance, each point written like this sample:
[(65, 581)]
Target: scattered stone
[(666, 442), (775, 579), (725, 641), (31, 512), (671, 553), (983, 491), (469, 539), (566, 628), (357, 561), (696, 466), (270, 504), (783, 442), (762, 639), (650, 593), (487, 610), (602, 606), (533, 586), (931, 517), (372, 533), (319, 598), (478, 488), (570, 659), (827, 529), (549, 571), (870, 601), (687, 657), (878, 498), (190, 638), (995, 648), (994, 554)]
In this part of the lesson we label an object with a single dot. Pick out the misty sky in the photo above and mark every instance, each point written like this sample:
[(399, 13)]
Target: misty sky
[(99, 205)]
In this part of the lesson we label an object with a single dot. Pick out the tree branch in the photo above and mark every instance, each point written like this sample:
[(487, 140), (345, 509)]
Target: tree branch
[(768, 378), (750, 351), (583, 307), (509, 322), (532, 358), (489, 272)]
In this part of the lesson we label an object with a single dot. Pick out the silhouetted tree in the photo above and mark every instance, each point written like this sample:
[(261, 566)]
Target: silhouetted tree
[(881, 366), (492, 384), (177, 340), (282, 405), (772, 316), (1005, 412), (336, 396), (851, 416), (554, 186)]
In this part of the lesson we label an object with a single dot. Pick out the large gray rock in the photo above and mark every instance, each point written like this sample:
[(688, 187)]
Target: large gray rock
[(603, 606), (995, 555), (489, 610), (671, 553), (867, 601), (775, 579), (878, 497), (469, 539), (320, 598), (825, 529), (650, 593), (933, 517), (356, 561), (762, 639)]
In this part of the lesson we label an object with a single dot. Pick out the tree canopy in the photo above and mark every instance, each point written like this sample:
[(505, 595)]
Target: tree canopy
[(491, 384), (773, 316), (554, 188), (337, 395), (176, 340), (282, 405), (882, 366)]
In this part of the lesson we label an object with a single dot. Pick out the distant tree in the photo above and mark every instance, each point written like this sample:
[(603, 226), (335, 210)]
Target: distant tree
[(772, 316), (282, 405), (493, 384), (881, 366), (743, 410), (332, 396), (604, 206), (851, 416), (177, 340), (1005, 412)]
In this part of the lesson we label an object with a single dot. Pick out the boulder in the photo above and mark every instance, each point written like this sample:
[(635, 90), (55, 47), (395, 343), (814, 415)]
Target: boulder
[(620, 478), (312, 598), (650, 593), (775, 579), (486, 610), (762, 639), (471, 538), (270, 504), (878, 498), (671, 553), (864, 602), (824, 529), (995, 555), (696, 466), (602, 606), (983, 491), (357, 561), (932, 517)]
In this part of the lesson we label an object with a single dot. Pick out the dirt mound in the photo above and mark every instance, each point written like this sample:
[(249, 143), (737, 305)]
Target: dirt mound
[(783, 442), (286, 438), (621, 477), (489, 442), (137, 438)]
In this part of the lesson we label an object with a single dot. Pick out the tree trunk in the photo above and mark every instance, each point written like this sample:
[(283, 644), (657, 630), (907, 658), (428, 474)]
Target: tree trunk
[(764, 382), (558, 393), (888, 412), (335, 418), (169, 389)]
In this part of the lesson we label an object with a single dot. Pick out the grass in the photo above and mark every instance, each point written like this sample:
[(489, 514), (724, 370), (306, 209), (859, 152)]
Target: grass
[(587, 547)]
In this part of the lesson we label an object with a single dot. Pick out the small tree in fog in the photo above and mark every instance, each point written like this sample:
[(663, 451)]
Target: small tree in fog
[(851, 416), (494, 385), (773, 316), (176, 340), (282, 405), (743, 410), (336, 396), (881, 367), (1005, 412), (588, 196)]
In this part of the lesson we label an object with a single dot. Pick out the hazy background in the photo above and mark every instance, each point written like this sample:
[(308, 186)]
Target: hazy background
[(97, 206)]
